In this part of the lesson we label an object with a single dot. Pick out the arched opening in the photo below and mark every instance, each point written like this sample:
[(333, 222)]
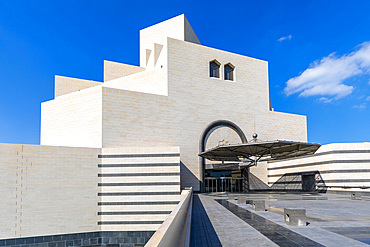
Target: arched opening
[(204, 138)]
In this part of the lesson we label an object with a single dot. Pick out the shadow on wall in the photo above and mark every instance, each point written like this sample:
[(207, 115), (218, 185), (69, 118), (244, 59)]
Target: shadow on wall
[(202, 231), (310, 181), (188, 179)]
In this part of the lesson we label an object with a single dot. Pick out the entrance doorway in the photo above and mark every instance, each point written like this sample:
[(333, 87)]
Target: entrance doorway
[(223, 184), (308, 183), (202, 147), (224, 181)]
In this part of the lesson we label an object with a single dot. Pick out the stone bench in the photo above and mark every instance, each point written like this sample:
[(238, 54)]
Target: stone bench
[(232, 197), (242, 200), (356, 196), (295, 217), (258, 205)]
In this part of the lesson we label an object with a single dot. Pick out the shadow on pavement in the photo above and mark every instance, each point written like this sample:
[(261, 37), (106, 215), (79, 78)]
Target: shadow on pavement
[(202, 231)]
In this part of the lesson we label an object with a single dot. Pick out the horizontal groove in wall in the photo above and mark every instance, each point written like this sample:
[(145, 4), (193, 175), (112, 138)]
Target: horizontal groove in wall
[(280, 175), (139, 203), (139, 165), (286, 182), (128, 222), (134, 212), (326, 181), (330, 171), (137, 193), (138, 155), (138, 174), (328, 152), (346, 180), (320, 163), (138, 184)]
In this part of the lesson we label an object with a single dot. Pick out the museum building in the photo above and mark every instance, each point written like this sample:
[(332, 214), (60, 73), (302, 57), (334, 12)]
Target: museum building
[(116, 155)]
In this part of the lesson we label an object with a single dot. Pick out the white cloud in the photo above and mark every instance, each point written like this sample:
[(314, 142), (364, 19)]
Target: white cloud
[(368, 98), (289, 37), (325, 100), (326, 76), (362, 106)]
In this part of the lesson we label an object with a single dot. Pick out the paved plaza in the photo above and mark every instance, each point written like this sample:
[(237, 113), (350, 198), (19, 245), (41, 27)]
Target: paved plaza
[(332, 220)]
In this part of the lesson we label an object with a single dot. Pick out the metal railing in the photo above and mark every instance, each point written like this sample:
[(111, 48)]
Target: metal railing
[(175, 230)]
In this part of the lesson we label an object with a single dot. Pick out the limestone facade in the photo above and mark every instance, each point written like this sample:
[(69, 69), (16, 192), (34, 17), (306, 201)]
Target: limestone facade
[(169, 100)]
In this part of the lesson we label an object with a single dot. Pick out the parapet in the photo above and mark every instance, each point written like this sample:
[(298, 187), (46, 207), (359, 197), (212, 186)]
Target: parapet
[(65, 85), (114, 70)]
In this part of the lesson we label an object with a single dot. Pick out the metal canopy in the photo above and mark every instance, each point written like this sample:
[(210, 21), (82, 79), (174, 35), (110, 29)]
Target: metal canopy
[(254, 151)]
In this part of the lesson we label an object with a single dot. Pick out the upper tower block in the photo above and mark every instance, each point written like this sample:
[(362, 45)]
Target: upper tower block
[(154, 38)]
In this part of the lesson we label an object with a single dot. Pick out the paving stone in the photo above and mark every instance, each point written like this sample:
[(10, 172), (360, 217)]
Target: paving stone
[(224, 228)]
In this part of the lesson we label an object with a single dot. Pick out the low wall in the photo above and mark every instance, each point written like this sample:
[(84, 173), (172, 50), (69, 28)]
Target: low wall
[(176, 229), (117, 238), (47, 190)]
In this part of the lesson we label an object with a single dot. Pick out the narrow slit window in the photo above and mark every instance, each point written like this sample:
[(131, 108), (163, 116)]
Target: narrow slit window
[(229, 72), (214, 69)]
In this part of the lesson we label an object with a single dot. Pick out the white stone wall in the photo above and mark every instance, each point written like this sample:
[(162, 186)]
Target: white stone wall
[(136, 119), (153, 40), (74, 119), (47, 190), (341, 167), (151, 82), (261, 173)]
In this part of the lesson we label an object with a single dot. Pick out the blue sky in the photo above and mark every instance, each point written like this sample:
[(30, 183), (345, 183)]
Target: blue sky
[(319, 58)]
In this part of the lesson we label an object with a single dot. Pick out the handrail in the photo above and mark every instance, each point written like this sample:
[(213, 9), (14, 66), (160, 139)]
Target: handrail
[(175, 230)]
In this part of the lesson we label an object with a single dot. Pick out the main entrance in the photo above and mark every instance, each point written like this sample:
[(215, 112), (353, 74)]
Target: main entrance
[(225, 177), (220, 178), (223, 184)]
